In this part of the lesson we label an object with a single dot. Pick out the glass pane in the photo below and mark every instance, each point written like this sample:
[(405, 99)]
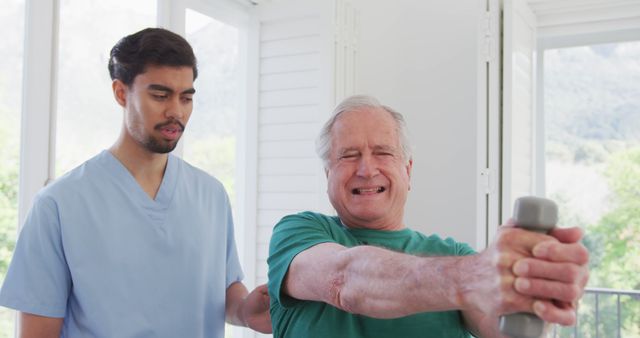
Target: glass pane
[(11, 55), (88, 117), (210, 142), (592, 122)]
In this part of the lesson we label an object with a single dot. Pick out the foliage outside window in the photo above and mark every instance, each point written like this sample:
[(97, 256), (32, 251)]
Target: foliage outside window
[(592, 115)]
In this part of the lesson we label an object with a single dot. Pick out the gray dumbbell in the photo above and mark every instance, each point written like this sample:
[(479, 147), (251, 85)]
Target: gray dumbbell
[(540, 215)]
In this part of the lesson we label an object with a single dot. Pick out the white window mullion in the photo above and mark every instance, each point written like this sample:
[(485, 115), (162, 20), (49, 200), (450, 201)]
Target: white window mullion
[(488, 125), (38, 117), (518, 137)]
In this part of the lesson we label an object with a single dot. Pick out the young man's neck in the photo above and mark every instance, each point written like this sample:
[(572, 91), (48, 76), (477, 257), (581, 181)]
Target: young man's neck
[(145, 166)]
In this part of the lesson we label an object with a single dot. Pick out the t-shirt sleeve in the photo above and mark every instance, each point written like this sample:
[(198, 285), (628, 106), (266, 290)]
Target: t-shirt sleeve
[(38, 280), (234, 269), (292, 235), (463, 249)]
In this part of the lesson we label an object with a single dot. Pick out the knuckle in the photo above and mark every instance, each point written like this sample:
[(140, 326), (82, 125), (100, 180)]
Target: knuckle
[(503, 260), (573, 293), (583, 255), (573, 272)]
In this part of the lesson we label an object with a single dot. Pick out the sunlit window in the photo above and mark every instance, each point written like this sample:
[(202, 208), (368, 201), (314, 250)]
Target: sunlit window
[(11, 55), (88, 117), (592, 123), (210, 140)]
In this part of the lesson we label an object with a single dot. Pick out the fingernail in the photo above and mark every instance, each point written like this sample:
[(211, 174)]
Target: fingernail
[(520, 268), (538, 307), (522, 284), (541, 250)]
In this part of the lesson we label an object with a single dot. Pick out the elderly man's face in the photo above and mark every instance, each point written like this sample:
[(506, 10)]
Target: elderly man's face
[(368, 176)]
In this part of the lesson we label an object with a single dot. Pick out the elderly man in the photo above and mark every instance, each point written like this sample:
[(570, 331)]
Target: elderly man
[(363, 273)]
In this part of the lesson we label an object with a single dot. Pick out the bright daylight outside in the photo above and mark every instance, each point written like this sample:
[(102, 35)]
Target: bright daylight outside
[(11, 51), (592, 122), (88, 118)]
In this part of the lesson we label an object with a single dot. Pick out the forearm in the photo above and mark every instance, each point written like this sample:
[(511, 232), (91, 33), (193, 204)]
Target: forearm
[(375, 282), (236, 294), (34, 326), (248, 309), (386, 284)]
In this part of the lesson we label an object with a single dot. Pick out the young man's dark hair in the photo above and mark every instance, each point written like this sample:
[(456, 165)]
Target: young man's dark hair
[(150, 46)]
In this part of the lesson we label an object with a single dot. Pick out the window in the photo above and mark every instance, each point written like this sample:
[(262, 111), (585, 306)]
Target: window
[(11, 50), (592, 155), (75, 91), (88, 117), (210, 143)]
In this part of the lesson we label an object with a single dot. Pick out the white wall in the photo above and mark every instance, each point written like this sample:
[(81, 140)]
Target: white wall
[(420, 58)]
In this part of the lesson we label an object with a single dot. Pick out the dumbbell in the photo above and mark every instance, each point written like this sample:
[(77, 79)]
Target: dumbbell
[(539, 215)]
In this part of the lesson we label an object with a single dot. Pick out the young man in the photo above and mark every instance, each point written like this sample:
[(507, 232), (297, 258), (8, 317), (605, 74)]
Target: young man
[(363, 273), (135, 242)]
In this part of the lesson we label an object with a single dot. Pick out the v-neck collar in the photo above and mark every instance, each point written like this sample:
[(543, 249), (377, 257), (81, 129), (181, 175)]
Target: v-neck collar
[(155, 209)]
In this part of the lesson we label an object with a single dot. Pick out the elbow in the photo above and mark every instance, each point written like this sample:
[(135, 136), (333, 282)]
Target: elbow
[(341, 294), (336, 292), (342, 297)]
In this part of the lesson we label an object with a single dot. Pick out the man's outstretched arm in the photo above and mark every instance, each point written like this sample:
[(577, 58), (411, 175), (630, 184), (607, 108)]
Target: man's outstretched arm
[(385, 284)]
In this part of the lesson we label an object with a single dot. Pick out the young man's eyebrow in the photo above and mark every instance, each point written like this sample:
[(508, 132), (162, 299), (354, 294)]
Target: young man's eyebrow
[(160, 88), (169, 90)]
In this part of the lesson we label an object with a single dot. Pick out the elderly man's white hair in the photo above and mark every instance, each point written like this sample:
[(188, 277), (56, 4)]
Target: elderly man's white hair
[(355, 102)]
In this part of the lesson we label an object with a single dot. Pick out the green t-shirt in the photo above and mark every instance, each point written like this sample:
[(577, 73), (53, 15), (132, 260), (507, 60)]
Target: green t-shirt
[(294, 318)]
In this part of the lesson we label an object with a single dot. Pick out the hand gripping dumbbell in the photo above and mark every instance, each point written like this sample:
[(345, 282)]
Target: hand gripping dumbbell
[(533, 214)]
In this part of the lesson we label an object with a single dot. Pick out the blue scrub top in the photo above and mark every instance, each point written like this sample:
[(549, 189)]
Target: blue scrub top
[(98, 251)]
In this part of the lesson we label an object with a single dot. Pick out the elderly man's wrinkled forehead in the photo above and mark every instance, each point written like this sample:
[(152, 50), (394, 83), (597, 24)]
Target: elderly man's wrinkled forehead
[(363, 115)]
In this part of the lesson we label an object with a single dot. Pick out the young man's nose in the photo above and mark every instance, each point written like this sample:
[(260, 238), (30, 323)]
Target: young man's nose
[(175, 109)]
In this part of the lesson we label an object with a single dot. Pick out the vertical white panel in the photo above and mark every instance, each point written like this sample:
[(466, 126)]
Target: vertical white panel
[(421, 58), (488, 125), (519, 72), (294, 51), (36, 153)]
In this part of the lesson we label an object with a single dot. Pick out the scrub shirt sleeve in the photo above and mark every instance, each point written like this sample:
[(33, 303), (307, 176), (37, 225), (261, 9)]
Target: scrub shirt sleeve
[(292, 235), (38, 280), (234, 269)]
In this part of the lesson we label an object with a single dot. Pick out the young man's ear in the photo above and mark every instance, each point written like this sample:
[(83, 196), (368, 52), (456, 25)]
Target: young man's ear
[(120, 92)]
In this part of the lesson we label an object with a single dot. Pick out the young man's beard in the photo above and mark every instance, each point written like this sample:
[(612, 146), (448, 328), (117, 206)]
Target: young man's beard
[(154, 145), (159, 146)]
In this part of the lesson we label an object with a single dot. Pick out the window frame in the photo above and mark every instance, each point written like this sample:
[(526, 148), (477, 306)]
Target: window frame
[(597, 23), (38, 121)]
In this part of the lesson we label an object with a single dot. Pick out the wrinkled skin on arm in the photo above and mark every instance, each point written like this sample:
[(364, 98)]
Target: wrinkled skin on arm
[(520, 271)]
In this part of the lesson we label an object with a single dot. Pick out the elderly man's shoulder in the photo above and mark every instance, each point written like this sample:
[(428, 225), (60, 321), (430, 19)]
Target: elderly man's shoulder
[(308, 218)]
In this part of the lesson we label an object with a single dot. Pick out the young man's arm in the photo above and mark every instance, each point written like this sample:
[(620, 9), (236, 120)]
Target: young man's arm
[(385, 284), (248, 309), (34, 326)]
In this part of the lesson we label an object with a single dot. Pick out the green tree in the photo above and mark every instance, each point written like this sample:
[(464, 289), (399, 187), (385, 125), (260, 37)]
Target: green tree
[(8, 206), (9, 168), (613, 241)]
